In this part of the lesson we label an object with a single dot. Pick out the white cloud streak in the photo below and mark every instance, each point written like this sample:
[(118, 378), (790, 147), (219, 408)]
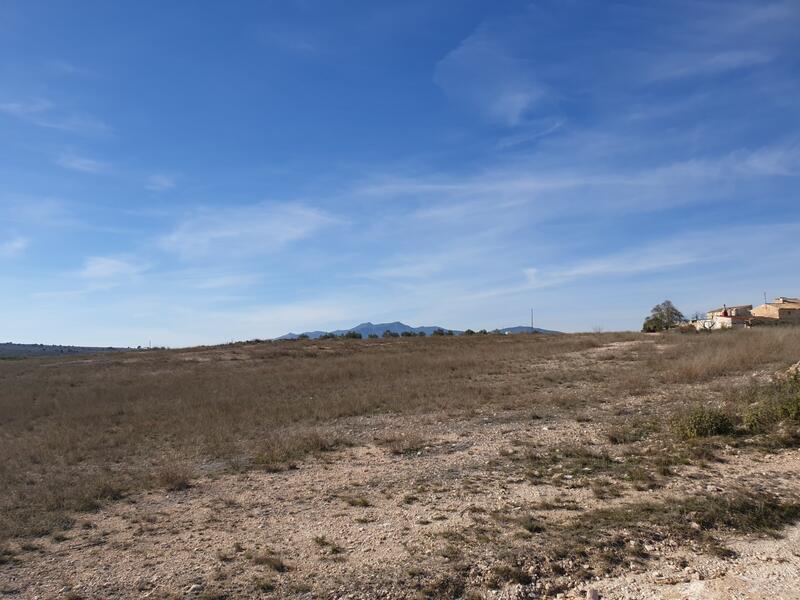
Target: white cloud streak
[(245, 230), (81, 163)]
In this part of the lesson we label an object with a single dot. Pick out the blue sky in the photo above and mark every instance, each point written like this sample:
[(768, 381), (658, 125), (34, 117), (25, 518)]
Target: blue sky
[(196, 172)]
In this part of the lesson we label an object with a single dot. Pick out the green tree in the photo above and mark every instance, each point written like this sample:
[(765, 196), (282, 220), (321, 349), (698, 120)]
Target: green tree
[(662, 317)]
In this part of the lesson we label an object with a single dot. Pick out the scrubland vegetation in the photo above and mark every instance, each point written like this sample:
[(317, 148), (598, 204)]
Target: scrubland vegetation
[(81, 434)]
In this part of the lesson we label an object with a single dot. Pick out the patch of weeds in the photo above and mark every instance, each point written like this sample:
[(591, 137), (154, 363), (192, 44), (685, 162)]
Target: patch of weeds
[(7, 555), (503, 574), (577, 466), (703, 422), (410, 499), (212, 594), (224, 556), (364, 520), (641, 479), (774, 404), (174, 477), (451, 552), (403, 445), (448, 585), (356, 501), (605, 489), (301, 588), (328, 546), (628, 433), (27, 547), (556, 504), (264, 584), (595, 539), (530, 524)]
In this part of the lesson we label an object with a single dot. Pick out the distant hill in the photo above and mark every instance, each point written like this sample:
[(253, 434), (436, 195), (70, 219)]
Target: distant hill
[(365, 329), (9, 350)]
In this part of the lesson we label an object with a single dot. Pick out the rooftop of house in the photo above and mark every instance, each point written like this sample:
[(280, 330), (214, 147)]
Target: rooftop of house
[(720, 309)]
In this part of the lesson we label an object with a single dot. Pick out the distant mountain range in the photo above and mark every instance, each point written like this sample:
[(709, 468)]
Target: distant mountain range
[(9, 350), (367, 329)]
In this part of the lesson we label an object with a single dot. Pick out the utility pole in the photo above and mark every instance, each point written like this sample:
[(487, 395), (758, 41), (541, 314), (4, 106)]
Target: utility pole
[(765, 297), (531, 319)]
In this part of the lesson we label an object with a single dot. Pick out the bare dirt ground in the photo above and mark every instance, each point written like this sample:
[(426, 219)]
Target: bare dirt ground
[(445, 503)]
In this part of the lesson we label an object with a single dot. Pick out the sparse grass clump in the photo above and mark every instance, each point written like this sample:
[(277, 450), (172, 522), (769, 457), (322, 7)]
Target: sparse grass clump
[(174, 477), (404, 444), (271, 560)]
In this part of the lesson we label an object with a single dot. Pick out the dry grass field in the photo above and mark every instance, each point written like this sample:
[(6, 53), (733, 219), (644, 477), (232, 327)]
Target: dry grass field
[(455, 467)]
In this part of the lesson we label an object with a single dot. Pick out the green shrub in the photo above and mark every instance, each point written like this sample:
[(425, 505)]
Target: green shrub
[(703, 422), (777, 403)]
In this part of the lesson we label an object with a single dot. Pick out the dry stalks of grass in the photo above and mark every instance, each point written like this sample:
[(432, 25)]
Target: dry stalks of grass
[(693, 358), (76, 432)]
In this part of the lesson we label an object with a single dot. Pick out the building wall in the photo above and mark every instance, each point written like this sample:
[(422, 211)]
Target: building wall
[(718, 323), (768, 311), (776, 311), (790, 315)]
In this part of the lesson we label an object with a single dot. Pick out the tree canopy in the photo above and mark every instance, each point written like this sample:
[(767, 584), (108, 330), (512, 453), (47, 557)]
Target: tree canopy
[(662, 317)]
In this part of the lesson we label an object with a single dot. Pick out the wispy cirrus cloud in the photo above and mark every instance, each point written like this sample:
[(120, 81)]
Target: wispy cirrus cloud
[(245, 230), (704, 250), (160, 182), (585, 185), (44, 113), (13, 247), (105, 268), (81, 163), (487, 77), (69, 69), (695, 64)]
